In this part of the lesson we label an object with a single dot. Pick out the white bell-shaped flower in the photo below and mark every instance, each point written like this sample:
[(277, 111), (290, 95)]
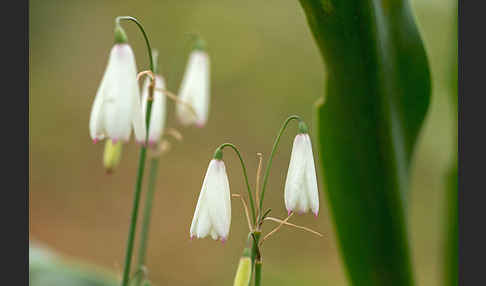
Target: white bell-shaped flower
[(194, 90), (301, 192), (213, 209), (117, 107), (158, 112)]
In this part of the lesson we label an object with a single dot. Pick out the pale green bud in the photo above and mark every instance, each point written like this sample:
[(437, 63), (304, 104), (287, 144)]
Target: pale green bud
[(243, 273), (112, 155)]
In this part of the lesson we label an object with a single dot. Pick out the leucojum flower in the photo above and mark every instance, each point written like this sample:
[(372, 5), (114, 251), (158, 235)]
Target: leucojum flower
[(116, 108), (213, 210), (158, 112), (194, 88), (301, 192)]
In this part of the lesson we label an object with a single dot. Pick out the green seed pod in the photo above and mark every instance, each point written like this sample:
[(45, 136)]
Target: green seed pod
[(243, 273), (112, 155)]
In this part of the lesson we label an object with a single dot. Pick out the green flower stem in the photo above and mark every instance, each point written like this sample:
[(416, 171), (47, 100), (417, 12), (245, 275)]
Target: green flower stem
[(252, 206), (258, 272), (274, 149), (255, 251), (130, 18), (141, 164), (147, 212)]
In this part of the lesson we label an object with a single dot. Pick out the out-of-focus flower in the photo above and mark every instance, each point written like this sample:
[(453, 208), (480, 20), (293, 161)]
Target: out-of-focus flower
[(243, 273), (158, 112), (117, 107), (194, 89), (112, 155)]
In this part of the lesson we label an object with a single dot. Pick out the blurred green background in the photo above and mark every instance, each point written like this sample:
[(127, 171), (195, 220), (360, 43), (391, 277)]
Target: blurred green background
[(265, 66)]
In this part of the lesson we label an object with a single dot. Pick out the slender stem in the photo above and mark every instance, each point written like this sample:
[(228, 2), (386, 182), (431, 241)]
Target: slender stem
[(258, 272), (255, 251), (257, 184), (244, 174), (141, 164), (130, 18), (275, 145), (142, 250), (133, 222)]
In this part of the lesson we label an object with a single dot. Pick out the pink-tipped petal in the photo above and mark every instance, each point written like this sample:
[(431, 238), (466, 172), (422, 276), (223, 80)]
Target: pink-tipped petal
[(223, 240), (114, 141), (95, 140), (316, 214), (289, 212), (191, 237)]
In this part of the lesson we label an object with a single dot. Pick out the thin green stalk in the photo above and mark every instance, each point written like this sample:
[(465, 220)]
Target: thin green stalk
[(274, 149), (244, 174), (258, 273), (141, 165), (130, 18), (255, 251), (147, 212)]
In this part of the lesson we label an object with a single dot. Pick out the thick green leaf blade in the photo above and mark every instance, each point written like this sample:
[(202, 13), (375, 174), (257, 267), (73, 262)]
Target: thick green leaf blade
[(378, 92)]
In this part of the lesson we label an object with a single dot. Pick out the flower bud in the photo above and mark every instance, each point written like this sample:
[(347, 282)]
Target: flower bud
[(112, 155), (243, 272)]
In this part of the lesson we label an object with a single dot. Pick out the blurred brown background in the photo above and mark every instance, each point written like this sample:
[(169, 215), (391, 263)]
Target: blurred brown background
[(265, 66)]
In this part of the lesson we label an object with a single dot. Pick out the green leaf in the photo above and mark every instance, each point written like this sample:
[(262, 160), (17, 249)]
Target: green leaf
[(48, 269), (378, 93)]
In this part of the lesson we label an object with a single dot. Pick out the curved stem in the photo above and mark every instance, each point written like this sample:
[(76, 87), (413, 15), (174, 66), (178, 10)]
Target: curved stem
[(130, 18), (275, 145), (154, 164), (141, 163), (252, 206)]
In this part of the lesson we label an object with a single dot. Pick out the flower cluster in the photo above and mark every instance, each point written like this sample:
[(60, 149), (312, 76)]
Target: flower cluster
[(118, 108), (213, 209)]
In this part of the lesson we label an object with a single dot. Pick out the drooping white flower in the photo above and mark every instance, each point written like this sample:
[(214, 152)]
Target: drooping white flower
[(213, 210), (194, 90), (117, 107), (158, 112), (301, 192)]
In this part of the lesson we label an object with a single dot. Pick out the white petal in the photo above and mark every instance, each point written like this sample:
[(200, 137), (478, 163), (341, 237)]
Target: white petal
[(219, 199), (96, 123), (213, 210), (311, 178), (158, 113), (298, 182), (294, 183), (119, 93), (138, 118), (195, 90)]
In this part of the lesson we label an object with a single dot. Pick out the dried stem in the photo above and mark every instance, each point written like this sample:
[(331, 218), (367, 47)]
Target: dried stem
[(245, 206), (174, 97), (294, 225), (276, 229)]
